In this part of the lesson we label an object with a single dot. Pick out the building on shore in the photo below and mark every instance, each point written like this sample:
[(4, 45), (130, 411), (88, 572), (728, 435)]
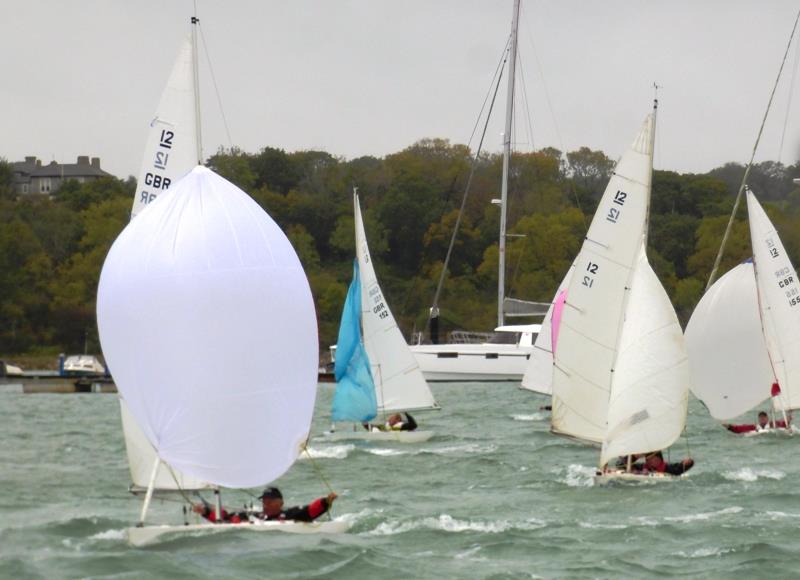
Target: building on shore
[(31, 177)]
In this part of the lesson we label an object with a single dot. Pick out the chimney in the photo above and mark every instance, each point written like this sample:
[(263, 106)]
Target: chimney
[(38, 163), (31, 160), (96, 162), (83, 160)]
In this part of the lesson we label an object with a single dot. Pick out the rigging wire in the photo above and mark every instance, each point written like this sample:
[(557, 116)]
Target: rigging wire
[(216, 87), (789, 101), (435, 305), (718, 259)]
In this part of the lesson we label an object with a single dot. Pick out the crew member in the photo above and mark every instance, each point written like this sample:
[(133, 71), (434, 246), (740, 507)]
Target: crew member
[(272, 509)]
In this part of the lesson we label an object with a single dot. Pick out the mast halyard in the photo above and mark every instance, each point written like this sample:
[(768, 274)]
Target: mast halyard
[(196, 84), (501, 276)]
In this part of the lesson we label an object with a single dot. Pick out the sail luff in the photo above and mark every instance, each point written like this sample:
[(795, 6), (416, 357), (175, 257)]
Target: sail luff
[(399, 381)]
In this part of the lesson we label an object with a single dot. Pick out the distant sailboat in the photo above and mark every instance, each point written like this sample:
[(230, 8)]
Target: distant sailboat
[(206, 275), (375, 372), (744, 336), (620, 374)]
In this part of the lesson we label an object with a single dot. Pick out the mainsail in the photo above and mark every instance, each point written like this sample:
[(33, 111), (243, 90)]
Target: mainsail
[(728, 358), (594, 311), (223, 376), (399, 384), (172, 141), (779, 295), (354, 399)]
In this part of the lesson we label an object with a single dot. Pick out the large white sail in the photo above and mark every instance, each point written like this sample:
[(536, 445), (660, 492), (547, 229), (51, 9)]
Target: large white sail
[(730, 368), (207, 320), (538, 375), (141, 457), (171, 150), (650, 386), (779, 294), (593, 313), (399, 384)]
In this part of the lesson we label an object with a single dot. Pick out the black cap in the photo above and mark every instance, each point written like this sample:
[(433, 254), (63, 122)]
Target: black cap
[(271, 493)]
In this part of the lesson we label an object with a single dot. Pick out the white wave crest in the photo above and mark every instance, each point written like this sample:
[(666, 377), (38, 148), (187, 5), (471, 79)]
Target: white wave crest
[(749, 475), (705, 515), (781, 515), (466, 448), (531, 417), (579, 476), (447, 523), (705, 552), (601, 526), (110, 535), (329, 452), (385, 452)]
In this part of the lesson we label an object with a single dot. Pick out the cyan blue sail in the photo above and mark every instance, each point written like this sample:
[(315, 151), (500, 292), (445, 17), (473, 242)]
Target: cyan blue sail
[(354, 399)]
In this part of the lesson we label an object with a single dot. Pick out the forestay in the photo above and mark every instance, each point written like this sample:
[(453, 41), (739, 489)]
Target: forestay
[(650, 386), (206, 318), (538, 375), (399, 384), (779, 295), (354, 398), (593, 314), (730, 368), (171, 149)]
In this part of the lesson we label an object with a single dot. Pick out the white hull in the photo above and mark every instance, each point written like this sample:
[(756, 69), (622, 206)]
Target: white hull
[(774, 432), (390, 436), (607, 477), (148, 534), (472, 362)]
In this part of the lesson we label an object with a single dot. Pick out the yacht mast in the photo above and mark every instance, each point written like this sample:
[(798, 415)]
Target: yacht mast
[(196, 77), (501, 277)]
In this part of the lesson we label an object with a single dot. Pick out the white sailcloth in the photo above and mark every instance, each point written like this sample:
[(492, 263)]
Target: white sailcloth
[(593, 313), (728, 359), (399, 384), (171, 149), (141, 457), (538, 375), (779, 295), (650, 386), (206, 318)]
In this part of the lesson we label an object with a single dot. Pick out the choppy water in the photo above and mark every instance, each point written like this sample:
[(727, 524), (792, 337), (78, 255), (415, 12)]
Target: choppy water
[(493, 495)]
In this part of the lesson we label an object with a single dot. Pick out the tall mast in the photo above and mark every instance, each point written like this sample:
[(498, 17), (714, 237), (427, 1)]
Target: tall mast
[(501, 277), (195, 73), (656, 86)]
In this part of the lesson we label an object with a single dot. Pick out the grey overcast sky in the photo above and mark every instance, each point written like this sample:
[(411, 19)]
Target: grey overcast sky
[(370, 77)]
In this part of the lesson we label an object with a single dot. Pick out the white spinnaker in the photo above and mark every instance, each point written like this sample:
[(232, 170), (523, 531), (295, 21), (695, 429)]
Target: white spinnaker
[(650, 386), (399, 384), (728, 360), (207, 320), (141, 457), (538, 375), (171, 148), (779, 294), (593, 312)]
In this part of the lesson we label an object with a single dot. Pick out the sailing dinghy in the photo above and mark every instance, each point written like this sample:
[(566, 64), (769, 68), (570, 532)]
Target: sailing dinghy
[(744, 336), (205, 274), (620, 375), (375, 370)]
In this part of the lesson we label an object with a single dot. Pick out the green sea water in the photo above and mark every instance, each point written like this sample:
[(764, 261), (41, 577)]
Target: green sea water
[(492, 495)]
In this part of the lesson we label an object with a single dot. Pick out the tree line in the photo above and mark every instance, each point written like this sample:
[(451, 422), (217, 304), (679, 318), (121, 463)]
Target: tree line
[(52, 248)]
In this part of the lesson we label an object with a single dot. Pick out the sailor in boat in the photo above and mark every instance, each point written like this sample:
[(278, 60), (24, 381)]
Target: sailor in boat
[(272, 509), (395, 422), (654, 463), (763, 424)]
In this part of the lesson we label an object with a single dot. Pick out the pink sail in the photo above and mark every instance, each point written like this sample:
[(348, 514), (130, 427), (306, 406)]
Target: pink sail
[(555, 324)]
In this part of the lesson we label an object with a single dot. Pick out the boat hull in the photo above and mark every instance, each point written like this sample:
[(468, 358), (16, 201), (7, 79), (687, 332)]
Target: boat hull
[(773, 432), (472, 362), (150, 534), (607, 477), (383, 436)]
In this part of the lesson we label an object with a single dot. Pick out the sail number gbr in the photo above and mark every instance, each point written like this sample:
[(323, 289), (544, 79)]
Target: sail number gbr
[(379, 307), (614, 213), (152, 179)]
